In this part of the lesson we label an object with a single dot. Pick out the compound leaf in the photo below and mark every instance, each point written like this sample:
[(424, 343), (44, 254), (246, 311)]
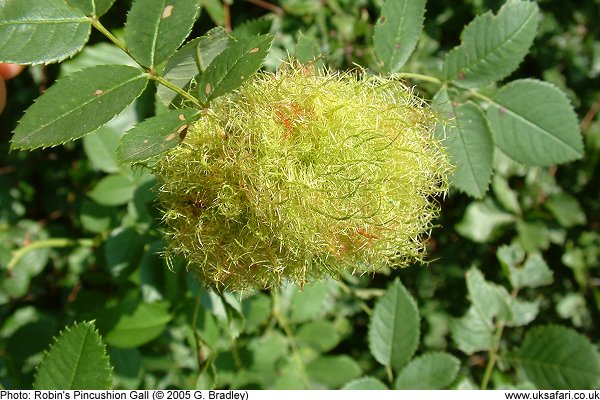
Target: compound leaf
[(394, 327), (555, 357), (76, 360), (469, 143), (234, 66), (35, 32), (156, 28), (431, 371), (154, 135), (397, 32), (78, 104), (533, 123), (493, 46)]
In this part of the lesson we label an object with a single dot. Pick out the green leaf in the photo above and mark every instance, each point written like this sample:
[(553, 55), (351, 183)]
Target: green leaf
[(566, 209), (95, 8), (534, 272), (131, 323), (312, 302), (534, 123), (333, 371), (320, 335), (98, 54), (76, 360), (469, 143), (394, 327), (488, 300), (113, 190), (493, 303), (101, 149), (267, 351), (253, 27), (36, 32), (506, 196), (482, 221), (365, 383), (213, 43), (77, 105), (94, 217), (88, 7), (555, 357), (493, 46), (431, 371), (472, 332), (127, 364), (307, 49), (234, 66), (192, 59), (215, 10), (123, 251), (155, 135), (156, 28), (397, 32), (102, 6), (181, 68), (257, 311)]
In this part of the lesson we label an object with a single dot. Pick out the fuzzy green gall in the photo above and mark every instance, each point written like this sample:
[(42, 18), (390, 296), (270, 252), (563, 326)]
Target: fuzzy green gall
[(301, 174)]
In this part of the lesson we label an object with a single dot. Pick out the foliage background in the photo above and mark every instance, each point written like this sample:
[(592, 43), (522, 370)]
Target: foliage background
[(104, 266)]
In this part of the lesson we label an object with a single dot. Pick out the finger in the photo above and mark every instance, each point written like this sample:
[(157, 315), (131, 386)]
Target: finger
[(9, 71)]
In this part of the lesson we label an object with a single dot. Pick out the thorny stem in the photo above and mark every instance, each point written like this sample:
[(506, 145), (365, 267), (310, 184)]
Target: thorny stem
[(281, 320), (151, 73), (44, 244)]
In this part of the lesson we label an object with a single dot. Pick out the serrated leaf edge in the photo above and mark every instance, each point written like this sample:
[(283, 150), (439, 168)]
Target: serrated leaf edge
[(65, 330), (546, 133), (414, 303), (492, 16), (44, 146)]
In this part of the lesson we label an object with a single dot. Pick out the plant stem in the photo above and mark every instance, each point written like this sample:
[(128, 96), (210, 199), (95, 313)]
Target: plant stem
[(43, 244), (177, 90), (492, 357), (151, 73), (493, 352), (281, 320), (481, 96), (419, 77), (96, 23), (390, 374)]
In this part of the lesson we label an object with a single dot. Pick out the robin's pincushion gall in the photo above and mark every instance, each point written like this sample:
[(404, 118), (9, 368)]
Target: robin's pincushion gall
[(300, 174)]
